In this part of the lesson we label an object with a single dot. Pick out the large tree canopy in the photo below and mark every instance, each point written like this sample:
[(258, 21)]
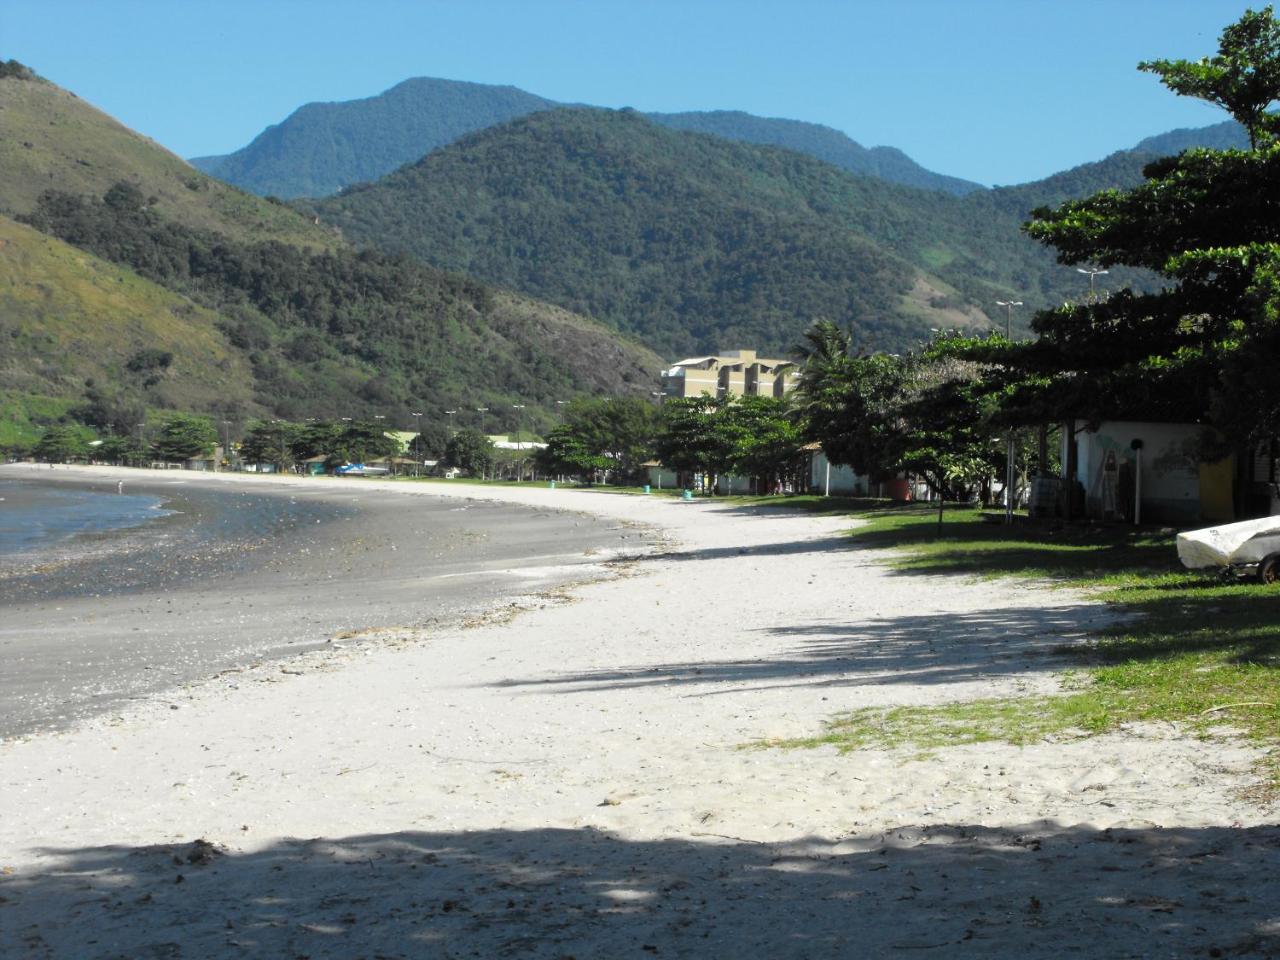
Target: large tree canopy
[(1209, 223)]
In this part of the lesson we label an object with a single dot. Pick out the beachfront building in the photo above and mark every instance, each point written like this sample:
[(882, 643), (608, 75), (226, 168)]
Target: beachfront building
[(733, 373)]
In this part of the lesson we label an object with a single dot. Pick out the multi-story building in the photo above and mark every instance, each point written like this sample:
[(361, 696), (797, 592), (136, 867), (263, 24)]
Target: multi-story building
[(735, 372)]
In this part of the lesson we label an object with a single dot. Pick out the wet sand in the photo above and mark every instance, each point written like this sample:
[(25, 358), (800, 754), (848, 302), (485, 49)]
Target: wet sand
[(239, 574)]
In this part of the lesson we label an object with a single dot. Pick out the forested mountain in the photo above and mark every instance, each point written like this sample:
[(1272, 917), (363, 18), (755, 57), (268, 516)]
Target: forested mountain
[(1228, 135), (822, 143), (133, 296), (692, 243), (323, 147)]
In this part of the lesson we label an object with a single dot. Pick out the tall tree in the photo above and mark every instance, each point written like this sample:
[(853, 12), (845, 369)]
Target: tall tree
[(1200, 349)]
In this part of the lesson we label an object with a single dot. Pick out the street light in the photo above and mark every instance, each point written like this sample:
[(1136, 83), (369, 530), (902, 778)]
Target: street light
[(417, 442), (1092, 272), (451, 413), (1009, 451), (226, 441), (519, 441)]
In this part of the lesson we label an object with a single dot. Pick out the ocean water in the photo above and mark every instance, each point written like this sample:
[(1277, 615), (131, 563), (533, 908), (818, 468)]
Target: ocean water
[(35, 517)]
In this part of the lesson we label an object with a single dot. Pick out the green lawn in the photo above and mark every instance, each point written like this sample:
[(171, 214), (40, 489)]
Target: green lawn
[(1202, 652)]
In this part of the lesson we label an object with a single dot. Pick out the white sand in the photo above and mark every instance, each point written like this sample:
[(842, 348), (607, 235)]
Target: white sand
[(569, 783)]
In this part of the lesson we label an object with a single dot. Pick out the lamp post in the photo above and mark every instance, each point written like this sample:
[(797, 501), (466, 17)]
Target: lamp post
[(417, 442), (1009, 476), (1092, 272), (451, 413), (226, 441), (519, 442)]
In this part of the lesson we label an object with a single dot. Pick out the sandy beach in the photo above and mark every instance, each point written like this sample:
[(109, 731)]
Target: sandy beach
[(571, 781)]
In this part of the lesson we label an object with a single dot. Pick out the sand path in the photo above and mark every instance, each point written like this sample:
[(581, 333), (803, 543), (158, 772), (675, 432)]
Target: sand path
[(569, 783)]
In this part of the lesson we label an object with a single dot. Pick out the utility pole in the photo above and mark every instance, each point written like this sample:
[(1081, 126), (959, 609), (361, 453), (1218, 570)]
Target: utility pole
[(1009, 474)]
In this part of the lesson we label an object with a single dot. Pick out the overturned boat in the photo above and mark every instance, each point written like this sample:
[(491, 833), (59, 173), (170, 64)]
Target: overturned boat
[(1251, 547)]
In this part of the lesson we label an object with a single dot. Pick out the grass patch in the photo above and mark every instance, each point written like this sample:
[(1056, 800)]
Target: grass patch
[(1203, 652)]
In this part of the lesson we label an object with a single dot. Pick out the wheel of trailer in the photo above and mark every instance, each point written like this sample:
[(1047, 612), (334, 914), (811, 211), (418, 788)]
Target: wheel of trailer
[(1269, 570)]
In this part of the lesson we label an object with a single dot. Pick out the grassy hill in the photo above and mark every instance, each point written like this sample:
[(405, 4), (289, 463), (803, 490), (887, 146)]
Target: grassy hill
[(51, 139), (67, 316), (207, 299)]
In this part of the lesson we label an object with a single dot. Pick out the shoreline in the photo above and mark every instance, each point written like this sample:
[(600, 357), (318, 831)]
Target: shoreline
[(571, 782), (243, 573)]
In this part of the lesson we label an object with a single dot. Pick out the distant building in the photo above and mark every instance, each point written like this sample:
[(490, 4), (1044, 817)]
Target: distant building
[(733, 373)]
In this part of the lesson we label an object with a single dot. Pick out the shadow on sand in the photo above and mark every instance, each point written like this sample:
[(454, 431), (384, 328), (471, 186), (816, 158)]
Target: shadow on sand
[(1041, 890), (875, 651)]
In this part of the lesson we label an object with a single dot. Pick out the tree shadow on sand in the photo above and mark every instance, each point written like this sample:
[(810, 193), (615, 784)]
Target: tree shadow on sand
[(1040, 890), (877, 651)]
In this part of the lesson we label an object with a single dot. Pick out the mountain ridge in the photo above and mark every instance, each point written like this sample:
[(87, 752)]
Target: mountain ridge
[(321, 147)]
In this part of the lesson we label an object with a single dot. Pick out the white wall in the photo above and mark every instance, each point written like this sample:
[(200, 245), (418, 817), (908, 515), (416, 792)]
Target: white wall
[(1170, 469), (844, 482)]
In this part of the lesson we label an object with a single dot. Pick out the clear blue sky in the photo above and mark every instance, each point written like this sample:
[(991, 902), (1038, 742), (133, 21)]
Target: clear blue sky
[(998, 91)]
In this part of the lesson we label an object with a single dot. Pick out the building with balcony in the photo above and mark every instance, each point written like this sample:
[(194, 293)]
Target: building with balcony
[(733, 373)]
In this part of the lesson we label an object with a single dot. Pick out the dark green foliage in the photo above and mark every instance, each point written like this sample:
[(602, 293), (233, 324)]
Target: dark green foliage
[(431, 441), (128, 451), (109, 409), (691, 242), (469, 451), (60, 444), (18, 71), (275, 441), (182, 437), (336, 332), (618, 430), (1204, 349), (755, 437), (149, 365), (1244, 77), (819, 142), (568, 452)]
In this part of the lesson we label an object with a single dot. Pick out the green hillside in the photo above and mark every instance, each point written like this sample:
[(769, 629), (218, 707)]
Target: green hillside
[(67, 316), (165, 289), (819, 142), (331, 333), (51, 139), (322, 147), (691, 242)]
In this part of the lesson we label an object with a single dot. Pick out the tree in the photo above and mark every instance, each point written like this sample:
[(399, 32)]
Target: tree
[(271, 442), (60, 444), (695, 438), (123, 449), (1199, 349), (569, 453), (469, 451), (769, 443), (620, 430), (182, 437), (1243, 79)]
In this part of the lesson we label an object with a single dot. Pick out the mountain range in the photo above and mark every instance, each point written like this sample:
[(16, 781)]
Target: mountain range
[(689, 241), (322, 147), (135, 281), (538, 252)]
